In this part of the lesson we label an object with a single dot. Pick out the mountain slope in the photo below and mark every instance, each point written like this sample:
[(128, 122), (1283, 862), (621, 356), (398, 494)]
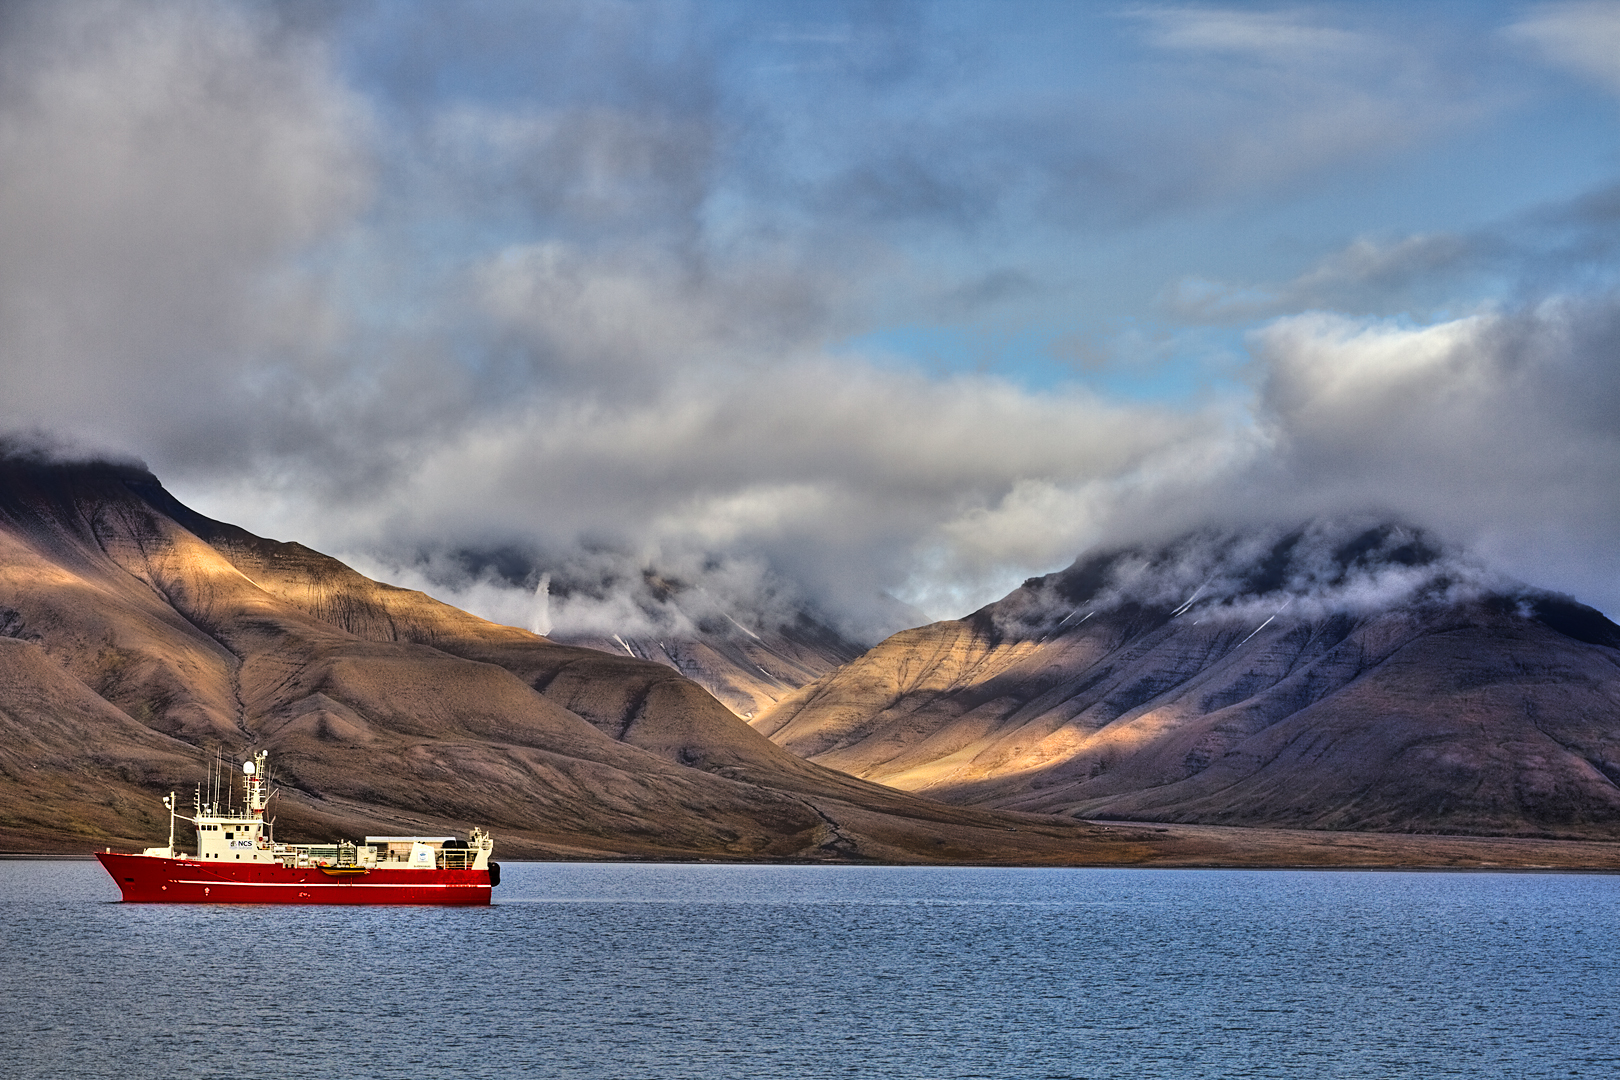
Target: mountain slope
[(141, 638), (1331, 678), (746, 670)]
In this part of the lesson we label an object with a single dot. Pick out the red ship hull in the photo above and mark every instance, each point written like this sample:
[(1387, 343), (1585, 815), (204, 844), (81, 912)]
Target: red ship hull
[(150, 879)]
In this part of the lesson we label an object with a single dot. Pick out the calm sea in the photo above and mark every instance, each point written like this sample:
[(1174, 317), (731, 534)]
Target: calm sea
[(664, 972)]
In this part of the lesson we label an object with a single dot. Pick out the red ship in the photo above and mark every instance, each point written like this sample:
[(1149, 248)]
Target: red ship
[(238, 862)]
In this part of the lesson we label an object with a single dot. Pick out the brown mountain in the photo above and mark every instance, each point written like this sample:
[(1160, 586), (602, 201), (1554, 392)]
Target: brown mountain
[(747, 669), (140, 639), (1332, 677)]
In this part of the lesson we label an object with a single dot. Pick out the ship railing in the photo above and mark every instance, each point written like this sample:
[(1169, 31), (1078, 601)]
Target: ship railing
[(447, 857), (314, 855), (345, 854)]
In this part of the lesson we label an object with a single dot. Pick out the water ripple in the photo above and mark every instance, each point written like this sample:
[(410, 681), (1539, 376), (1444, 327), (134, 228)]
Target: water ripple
[(715, 972)]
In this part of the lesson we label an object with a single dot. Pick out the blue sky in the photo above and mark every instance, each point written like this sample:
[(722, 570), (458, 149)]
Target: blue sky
[(942, 132), (951, 135), (817, 302)]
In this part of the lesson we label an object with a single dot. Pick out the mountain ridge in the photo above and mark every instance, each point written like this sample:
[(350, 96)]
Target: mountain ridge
[(1173, 684), (142, 645)]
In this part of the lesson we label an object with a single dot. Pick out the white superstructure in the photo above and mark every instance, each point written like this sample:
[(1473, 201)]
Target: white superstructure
[(227, 833)]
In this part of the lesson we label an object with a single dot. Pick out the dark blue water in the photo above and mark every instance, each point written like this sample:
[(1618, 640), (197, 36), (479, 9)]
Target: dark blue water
[(709, 971)]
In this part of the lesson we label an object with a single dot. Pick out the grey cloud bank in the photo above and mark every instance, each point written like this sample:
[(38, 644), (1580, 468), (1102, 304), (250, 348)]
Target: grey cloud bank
[(581, 282)]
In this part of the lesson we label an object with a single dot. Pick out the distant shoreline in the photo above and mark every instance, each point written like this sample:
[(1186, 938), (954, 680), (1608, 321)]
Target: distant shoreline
[(8, 856), (1150, 845), (43, 855)]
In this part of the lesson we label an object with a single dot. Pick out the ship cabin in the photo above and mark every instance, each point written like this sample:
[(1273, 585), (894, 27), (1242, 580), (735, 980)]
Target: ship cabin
[(233, 838)]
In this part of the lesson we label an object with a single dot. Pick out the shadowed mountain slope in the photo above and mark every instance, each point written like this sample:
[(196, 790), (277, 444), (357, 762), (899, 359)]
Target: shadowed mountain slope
[(746, 670), (139, 638), (1333, 677)]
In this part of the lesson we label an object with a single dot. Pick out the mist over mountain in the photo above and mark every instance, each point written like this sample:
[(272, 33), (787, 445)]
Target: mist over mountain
[(745, 635), (1341, 675), (747, 660), (1341, 565)]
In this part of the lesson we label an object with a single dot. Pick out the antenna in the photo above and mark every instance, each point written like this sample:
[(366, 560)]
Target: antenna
[(168, 804)]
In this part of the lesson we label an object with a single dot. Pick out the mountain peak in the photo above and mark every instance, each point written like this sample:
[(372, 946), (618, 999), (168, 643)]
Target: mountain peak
[(28, 467), (1323, 567)]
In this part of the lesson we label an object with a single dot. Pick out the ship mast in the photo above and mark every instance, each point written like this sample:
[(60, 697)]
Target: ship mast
[(258, 785)]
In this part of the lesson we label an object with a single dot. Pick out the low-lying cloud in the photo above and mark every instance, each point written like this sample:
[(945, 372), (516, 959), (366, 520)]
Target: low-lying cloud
[(1323, 568)]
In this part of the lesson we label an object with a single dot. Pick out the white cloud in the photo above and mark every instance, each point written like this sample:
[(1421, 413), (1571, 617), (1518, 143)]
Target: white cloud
[(1499, 430), (1368, 275), (158, 166), (834, 472), (1581, 37), (1287, 36)]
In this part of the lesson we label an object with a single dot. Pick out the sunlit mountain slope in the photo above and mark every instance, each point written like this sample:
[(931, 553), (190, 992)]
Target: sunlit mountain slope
[(1336, 676)]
